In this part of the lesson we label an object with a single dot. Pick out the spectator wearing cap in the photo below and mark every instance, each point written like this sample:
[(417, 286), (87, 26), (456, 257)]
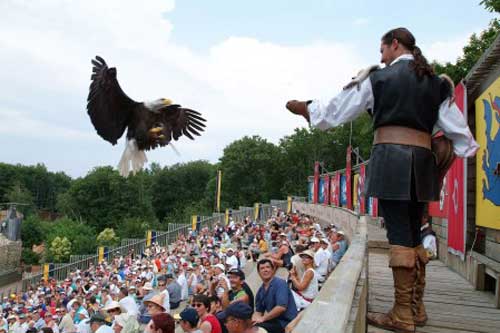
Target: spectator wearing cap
[(216, 284), (231, 260), (274, 303), (98, 324), (208, 322), (339, 247), (174, 291), (235, 292), (127, 302), (306, 287), (238, 318), (161, 323), (321, 259), (189, 320)]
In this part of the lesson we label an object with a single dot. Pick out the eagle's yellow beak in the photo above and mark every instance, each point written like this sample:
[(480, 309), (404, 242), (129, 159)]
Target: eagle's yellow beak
[(167, 101)]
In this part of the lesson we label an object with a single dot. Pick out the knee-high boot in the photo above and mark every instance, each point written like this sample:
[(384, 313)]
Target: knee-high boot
[(418, 303), (400, 319)]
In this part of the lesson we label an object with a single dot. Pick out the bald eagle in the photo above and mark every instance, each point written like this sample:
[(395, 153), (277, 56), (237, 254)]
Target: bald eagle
[(149, 124)]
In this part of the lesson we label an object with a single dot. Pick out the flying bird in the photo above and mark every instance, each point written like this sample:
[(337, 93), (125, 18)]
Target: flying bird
[(149, 125)]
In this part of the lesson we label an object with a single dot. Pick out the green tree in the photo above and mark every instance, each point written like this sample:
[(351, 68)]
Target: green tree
[(107, 237), (32, 232), (474, 49), (491, 5), (251, 171), (29, 257), (60, 249), (136, 227), (81, 235), (19, 194)]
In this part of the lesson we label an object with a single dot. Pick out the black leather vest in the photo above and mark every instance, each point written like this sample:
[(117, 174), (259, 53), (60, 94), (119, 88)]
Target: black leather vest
[(403, 99)]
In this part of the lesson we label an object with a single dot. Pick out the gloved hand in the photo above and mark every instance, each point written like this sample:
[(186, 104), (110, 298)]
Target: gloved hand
[(298, 107)]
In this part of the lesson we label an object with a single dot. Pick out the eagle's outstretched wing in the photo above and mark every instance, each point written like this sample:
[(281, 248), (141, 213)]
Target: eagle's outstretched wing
[(109, 108), (183, 121)]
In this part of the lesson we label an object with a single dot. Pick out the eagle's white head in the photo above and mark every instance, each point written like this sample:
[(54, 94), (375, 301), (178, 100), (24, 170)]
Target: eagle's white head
[(157, 104)]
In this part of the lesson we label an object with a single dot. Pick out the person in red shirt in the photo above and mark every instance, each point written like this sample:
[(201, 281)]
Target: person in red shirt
[(208, 322)]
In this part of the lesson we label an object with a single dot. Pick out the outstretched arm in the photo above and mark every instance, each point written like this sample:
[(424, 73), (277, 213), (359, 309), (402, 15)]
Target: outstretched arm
[(344, 107)]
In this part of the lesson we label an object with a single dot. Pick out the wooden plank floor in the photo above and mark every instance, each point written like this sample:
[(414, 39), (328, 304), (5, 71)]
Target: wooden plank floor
[(451, 301)]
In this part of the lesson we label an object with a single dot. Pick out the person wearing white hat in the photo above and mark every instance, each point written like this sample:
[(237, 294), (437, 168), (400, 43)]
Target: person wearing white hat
[(339, 247), (83, 325), (306, 287), (321, 259), (219, 270)]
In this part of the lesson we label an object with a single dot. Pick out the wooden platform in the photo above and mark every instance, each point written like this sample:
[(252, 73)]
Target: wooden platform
[(451, 301)]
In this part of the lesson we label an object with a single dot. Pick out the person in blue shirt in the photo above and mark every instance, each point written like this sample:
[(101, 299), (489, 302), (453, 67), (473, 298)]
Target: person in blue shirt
[(274, 304), (339, 247)]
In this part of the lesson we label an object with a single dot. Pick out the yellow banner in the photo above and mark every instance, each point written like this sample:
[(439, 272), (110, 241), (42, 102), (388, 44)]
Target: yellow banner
[(256, 211), (219, 186), (46, 272), (149, 235), (194, 220), (355, 201), (226, 217), (488, 157), (100, 254), (289, 205)]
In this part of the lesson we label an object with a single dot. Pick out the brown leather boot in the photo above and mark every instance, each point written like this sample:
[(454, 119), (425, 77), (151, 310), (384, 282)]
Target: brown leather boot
[(418, 303), (402, 260), (299, 108)]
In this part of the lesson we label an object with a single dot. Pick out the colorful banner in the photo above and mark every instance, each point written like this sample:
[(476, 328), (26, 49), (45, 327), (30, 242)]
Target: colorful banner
[(256, 211), (321, 187), (456, 200), (46, 272), (343, 191), (361, 189), (226, 217), (488, 157), (373, 206), (316, 182), (335, 189), (440, 208), (148, 238), (348, 177), (326, 190), (355, 197), (288, 205), (310, 189)]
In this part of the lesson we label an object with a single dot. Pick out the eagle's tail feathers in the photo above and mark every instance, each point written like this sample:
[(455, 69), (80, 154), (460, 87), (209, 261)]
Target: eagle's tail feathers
[(132, 159)]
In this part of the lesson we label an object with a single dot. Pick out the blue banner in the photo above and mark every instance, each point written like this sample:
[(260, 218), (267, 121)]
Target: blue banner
[(310, 190), (343, 191), (321, 190)]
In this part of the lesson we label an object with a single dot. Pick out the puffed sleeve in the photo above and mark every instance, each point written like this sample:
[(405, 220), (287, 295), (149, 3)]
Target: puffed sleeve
[(345, 107)]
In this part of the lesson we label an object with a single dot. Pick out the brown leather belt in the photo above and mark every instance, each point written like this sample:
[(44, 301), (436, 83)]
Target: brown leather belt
[(402, 136)]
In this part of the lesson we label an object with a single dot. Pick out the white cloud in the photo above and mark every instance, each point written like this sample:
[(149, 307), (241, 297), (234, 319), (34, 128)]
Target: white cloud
[(361, 21), (240, 85), (448, 50)]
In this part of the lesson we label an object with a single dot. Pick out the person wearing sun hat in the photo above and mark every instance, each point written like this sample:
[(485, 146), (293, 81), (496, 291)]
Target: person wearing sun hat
[(306, 288)]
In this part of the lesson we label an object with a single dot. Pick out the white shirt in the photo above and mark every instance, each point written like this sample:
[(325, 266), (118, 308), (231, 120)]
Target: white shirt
[(166, 300), (104, 329), (351, 103), (232, 261), (83, 326), (321, 262), (129, 304), (181, 279)]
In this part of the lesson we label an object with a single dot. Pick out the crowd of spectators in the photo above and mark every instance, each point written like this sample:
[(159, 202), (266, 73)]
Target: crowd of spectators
[(197, 284)]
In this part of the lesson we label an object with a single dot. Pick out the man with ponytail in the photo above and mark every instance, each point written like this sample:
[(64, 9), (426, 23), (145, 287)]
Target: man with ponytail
[(408, 103)]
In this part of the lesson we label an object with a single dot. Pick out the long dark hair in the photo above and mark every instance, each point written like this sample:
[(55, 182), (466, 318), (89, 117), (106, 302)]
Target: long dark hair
[(406, 38)]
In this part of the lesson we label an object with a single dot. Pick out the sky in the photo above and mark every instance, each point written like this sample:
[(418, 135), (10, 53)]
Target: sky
[(237, 62)]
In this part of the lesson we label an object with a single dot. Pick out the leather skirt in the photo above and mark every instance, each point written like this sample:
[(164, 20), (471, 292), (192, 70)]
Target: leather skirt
[(392, 167)]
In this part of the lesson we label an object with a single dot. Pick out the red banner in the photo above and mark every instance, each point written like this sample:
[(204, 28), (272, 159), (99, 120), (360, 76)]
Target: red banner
[(456, 190), (316, 183), (361, 190), (326, 189), (335, 189), (348, 177)]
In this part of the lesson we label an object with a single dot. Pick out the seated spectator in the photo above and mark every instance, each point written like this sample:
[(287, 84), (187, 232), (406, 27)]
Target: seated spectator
[(163, 292), (307, 286), (155, 305), (339, 247), (174, 292), (296, 261), (188, 320), (161, 323), (98, 324), (321, 259), (238, 318), (235, 292), (282, 257), (274, 303), (208, 322), (125, 323)]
